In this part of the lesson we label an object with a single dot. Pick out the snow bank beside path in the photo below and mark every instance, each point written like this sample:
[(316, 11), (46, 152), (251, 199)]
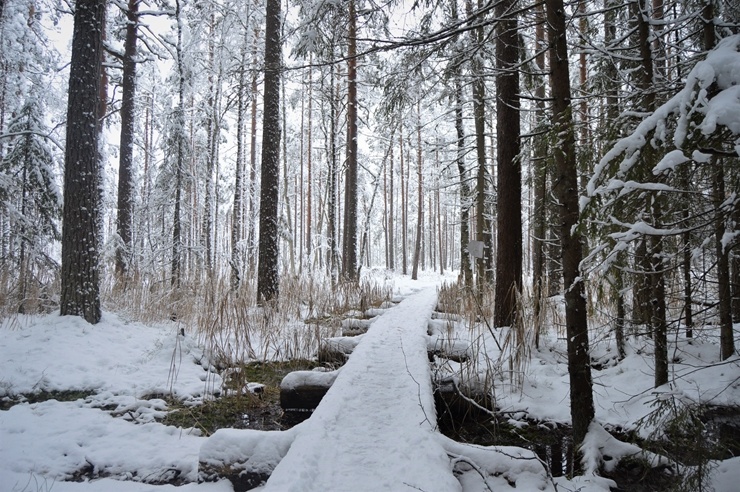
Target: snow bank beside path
[(57, 440), (119, 363), (60, 353)]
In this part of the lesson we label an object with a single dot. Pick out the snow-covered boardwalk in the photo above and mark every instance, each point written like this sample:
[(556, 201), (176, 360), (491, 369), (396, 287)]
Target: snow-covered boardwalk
[(374, 429)]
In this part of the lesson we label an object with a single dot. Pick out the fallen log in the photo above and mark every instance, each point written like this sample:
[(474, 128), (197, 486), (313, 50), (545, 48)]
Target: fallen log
[(336, 350), (245, 457), (302, 391), (355, 326)]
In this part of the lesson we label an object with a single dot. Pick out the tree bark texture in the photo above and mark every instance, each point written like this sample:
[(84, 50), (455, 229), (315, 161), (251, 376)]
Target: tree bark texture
[(125, 164), (237, 218), (566, 192), (404, 204), (349, 259), (333, 186), (465, 267), (80, 290), (420, 203), (176, 265), (539, 166), (657, 301), (480, 197), (267, 270), (509, 175), (726, 336)]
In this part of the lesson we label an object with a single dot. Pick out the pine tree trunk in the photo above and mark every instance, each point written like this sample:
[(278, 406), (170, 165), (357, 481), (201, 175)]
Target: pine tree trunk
[(309, 177), (509, 175), (349, 258), (657, 302), (179, 130), (619, 322), (404, 205), (420, 202), (102, 114), (735, 281), (735, 265), (391, 214), (566, 192), (332, 205), (300, 200), (688, 310), (727, 339), (442, 253), (642, 295), (237, 217), (24, 273), (385, 207), (80, 289), (267, 270), (125, 166), (210, 203), (479, 119), (539, 165), (465, 266), (253, 212)]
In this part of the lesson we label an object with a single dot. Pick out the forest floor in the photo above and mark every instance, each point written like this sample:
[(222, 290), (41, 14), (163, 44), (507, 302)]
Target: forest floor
[(121, 406)]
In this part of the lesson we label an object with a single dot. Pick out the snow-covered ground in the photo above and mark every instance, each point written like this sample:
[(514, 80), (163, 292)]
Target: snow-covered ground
[(126, 367)]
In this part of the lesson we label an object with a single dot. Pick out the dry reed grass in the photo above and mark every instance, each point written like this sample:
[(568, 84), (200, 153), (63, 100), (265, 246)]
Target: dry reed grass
[(40, 294), (230, 325), (499, 356)]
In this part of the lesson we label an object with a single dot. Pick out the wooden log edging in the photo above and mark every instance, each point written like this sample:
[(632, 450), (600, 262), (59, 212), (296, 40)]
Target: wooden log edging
[(245, 457), (303, 390), (367, 438)]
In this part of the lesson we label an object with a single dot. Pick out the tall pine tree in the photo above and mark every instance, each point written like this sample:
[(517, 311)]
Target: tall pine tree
[(80, 249)]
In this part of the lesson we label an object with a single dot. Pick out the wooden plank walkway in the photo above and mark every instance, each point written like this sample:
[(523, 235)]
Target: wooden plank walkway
[(374, 429)]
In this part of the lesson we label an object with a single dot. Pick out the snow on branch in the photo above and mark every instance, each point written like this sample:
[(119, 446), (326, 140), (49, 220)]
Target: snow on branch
[(708, 104)]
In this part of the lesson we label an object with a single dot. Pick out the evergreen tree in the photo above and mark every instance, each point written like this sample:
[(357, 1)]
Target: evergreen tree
[(80, 239), (267, 272), (125, 166), (29, 195), (509, 173), (579, 361)]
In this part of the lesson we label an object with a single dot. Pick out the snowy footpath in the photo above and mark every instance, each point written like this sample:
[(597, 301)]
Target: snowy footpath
[(374, 429), (375, 426)]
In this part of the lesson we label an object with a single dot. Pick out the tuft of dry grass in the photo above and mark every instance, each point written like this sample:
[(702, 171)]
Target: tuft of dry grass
[(230, 325), (499, 356), (39, 294)]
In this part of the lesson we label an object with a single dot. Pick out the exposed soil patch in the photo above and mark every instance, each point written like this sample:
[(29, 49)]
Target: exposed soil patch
[(67, 395), (170, 476), (713, 435), (239, 408)]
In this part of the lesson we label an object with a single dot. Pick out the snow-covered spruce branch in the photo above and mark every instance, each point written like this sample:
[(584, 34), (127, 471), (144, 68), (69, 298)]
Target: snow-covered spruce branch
[(714, 107)]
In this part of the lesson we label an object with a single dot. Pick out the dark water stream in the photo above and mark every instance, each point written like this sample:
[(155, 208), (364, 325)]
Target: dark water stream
[(719, 429)]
